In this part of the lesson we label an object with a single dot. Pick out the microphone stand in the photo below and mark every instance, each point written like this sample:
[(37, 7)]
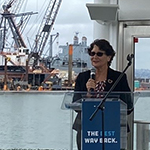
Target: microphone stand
[(101, 105)]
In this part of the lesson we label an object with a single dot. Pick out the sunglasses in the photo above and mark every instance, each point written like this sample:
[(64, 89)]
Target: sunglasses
[(99, 54)]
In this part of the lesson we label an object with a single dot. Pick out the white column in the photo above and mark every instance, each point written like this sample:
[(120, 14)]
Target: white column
[(101, 31), (107, 31)]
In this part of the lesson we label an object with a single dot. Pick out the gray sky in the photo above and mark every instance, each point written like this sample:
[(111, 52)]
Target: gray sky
[(72, 17), (142, 53)]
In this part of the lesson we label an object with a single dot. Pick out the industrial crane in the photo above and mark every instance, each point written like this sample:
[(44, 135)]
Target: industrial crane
[(8, 18), (44, 30)]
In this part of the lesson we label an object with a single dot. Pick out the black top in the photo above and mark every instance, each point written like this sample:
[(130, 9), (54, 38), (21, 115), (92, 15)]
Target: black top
[(112, 76)]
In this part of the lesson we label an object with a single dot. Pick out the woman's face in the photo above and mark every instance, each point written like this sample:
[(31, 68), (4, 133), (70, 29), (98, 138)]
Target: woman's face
[(99, 61)]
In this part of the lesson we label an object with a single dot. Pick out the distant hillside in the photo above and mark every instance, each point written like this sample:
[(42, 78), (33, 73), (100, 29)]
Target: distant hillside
[(142, 73)]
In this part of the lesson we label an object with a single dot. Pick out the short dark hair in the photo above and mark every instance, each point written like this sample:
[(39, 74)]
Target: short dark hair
[(105, 46)]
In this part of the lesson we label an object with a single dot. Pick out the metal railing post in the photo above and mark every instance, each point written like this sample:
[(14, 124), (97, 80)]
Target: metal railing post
[(142, 135)]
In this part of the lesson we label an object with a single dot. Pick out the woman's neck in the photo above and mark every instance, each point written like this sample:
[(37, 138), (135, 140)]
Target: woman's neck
[(101, 74)]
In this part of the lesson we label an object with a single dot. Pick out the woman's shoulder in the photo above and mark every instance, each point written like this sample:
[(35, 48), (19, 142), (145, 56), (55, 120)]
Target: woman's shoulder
[(115, 74), (114, 71), (85, 72)]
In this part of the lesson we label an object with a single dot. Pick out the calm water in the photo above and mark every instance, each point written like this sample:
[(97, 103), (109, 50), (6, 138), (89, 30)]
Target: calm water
[(36, 120)]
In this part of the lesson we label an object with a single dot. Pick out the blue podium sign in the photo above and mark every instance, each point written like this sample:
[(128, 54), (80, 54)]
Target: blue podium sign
[(92, 129)]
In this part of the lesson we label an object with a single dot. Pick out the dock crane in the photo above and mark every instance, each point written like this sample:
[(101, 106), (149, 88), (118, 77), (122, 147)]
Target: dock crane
[(8, 18), (44, 31), (7, 24)]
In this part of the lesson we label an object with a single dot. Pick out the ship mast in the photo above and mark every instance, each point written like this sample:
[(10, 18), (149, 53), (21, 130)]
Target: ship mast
[(8, 18)]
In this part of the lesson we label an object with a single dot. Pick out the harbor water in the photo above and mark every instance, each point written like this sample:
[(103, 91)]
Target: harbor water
[(35, 120)]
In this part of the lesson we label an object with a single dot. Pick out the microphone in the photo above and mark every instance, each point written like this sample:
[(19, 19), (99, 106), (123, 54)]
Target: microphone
[(129, 58), (92, 76)]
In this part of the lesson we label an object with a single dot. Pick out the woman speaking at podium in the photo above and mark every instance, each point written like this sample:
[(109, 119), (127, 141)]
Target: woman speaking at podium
[(99, 80)]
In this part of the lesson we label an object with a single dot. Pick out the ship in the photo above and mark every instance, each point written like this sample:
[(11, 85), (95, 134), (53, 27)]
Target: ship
[(80, 57), (79, 62)]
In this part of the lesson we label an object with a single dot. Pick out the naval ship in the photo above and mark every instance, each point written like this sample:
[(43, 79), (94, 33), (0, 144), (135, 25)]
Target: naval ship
[(80, 57)]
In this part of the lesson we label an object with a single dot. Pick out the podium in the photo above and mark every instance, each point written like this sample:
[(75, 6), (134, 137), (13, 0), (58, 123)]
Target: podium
[(115, 121), (115, 126)]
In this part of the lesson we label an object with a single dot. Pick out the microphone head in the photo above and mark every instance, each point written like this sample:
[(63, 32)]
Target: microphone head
[(92, 74), (130, 56)]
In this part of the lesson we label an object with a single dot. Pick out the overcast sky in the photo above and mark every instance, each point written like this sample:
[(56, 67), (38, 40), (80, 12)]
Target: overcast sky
[(72, 17), (142, 53)]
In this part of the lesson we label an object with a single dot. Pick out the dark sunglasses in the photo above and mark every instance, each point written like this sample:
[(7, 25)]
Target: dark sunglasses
[(98, 54)]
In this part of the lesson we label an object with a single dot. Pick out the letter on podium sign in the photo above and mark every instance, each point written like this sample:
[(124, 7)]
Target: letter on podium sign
[(92, 129)]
